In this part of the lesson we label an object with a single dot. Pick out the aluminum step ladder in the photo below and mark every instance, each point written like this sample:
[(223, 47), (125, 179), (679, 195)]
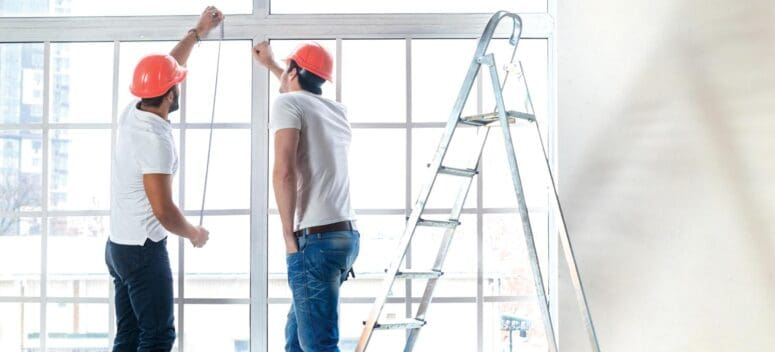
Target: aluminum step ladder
[(499, 119)]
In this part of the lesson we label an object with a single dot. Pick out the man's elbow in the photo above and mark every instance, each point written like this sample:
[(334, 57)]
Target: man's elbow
[(164, 214), (284, 174)]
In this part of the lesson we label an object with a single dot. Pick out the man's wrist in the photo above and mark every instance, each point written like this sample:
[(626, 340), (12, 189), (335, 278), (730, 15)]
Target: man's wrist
[(197, 34), (192, 231)]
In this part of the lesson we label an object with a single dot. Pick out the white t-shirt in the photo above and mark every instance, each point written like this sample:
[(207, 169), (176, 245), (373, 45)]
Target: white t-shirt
[(144, 145), (323, 191)]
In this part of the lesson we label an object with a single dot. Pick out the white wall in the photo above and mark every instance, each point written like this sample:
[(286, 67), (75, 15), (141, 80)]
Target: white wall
[(667, 171)]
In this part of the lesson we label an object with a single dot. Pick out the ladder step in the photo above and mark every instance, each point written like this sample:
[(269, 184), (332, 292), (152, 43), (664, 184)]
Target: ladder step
[(418, 274), (393, 324), (450, 224), (457, 172), (489, 118)]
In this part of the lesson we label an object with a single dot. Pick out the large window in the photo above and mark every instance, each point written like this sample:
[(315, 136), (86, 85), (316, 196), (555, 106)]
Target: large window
[(59, 104)]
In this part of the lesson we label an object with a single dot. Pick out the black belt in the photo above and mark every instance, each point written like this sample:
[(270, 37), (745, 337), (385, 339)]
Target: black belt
[(337, 226)]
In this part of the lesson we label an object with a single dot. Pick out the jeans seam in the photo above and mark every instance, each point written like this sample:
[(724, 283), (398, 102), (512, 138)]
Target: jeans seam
[(307, 311)]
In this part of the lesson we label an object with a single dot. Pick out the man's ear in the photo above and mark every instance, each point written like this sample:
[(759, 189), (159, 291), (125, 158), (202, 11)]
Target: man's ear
[(170, 97)]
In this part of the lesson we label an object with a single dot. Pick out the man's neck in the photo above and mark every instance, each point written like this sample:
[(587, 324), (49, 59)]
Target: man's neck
[(154, 110)]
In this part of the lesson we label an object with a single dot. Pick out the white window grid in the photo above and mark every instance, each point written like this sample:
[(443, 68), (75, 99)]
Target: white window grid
[(243, 27)]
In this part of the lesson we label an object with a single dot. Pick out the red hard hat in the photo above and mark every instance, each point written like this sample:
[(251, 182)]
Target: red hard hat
[(313, 58), (155, 75)]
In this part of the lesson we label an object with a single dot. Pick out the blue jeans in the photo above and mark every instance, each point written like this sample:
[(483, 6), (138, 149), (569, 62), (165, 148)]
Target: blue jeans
[(144, 306), (315, 273)]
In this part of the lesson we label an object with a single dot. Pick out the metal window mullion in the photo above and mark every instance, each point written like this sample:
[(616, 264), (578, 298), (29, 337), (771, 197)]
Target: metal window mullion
[(80, 126), (552, 140), (245, 27), (408, 163), (261, 8), (479, 232), (182, 205), (44, 194), (218, 212), (73, 213), (377, 125), (277, 300), (338, 79), (113, 134), (206, 126), (259, 200), (20, 299), (211, 301), (20, 126), (228, 212)]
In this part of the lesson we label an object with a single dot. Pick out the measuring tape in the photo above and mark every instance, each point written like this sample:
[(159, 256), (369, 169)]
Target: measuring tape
[(212, 120)]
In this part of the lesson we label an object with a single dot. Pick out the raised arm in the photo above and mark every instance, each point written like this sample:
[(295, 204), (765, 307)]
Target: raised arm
[(210, 18)]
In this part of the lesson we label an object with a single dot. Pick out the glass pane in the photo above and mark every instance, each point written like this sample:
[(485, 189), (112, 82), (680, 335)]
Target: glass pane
[(379, 238), (76, 327), (228, 184), (278, 316), (176, 180), (221, 269), (507, 270), (234, 82), (506, 322), (461, 154), (21, 170), (278, 268), (84, 275), (438, 69), (118, 8), (19, 327), (371, 92), (79, 169), (129, 55), (450, 327), (405, 6), (173, 250), (498, 187), (459, 268), (533, 54), (20, 256), (351, 317), (217, 328), (81, 82), (21, 81), (282, 49), (378, 168)]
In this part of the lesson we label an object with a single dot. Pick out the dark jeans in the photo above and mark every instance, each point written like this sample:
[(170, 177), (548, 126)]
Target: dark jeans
[(315, 273), (144, 306)]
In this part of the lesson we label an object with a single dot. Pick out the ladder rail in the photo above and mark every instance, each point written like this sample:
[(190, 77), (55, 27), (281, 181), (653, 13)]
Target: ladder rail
[(522, 204)]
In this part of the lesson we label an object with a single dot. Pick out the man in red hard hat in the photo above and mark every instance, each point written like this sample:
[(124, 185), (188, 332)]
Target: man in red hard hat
[(142, 210), (312, 188)]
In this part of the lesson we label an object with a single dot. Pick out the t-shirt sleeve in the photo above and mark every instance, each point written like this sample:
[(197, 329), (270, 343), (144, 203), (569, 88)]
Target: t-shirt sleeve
[(155, 155), (285, 114)]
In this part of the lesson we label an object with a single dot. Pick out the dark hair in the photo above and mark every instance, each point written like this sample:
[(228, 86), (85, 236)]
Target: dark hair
[(307, 80), (156, 101)]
